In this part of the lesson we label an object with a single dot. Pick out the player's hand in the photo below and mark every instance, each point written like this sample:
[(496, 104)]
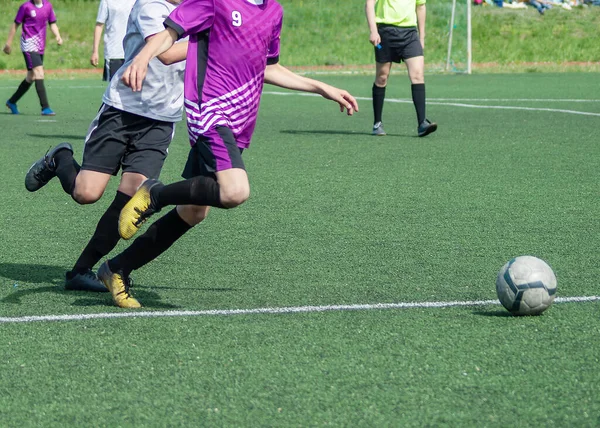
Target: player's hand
[(375, 39), (342, 97), (422, 42), (59, 41), (94, 59), (7, 49), (134, 74)]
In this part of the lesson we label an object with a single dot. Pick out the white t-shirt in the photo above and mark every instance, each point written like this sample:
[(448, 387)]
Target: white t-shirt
[(114, 14), (161, 97)]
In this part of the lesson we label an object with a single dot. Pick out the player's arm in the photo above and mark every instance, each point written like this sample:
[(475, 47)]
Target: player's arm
[(278, 75), (374, 37), (421, 15), (175, 53), (97, 35), (54, 29), (11, 35), (136, 72)]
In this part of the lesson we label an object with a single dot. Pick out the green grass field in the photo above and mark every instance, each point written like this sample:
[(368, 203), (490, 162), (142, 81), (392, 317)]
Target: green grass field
[(336, 217), (335, 33)]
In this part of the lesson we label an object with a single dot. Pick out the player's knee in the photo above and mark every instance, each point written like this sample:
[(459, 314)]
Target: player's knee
[(38, 74), (83, 194), (192, 214), (417, 77), (235, 195), (381, 80)]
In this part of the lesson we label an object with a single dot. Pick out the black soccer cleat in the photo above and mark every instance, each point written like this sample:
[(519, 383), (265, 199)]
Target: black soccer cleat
[(84, 281), (426, 128), (44, 169)]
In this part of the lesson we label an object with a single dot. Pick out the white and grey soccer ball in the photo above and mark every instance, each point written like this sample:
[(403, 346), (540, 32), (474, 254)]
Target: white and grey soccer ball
[(526, 285)]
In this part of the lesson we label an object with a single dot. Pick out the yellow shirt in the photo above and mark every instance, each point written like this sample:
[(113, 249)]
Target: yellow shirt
[(400, 13)]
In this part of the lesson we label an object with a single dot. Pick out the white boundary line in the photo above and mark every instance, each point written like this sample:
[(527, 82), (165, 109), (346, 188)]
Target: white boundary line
[(429, 102), (283, 310)]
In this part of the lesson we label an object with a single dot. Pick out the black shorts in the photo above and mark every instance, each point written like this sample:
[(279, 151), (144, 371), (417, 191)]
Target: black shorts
[(110, 68), (398, 44), (33, 59), (121, 140), (203, 160)]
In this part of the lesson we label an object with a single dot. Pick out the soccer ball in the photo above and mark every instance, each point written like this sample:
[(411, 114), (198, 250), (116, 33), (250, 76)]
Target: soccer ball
[(526, 285)]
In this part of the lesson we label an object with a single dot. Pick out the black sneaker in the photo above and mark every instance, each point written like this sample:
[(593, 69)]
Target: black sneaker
[(84, 281), (426, 128), (378, 130), (43, 170)]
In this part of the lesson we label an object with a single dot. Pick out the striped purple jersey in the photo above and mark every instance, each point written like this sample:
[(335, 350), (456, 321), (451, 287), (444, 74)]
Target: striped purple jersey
[(35, 19), (231, 42)]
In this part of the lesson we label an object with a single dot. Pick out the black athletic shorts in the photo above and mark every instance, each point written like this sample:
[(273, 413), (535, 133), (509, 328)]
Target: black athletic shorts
[(203, 161), (33, 59), (397, 43), (110, 68), (121, 140)]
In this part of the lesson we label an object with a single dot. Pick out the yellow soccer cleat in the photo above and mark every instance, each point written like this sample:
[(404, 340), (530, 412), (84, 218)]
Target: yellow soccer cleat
[(118, 286), (137, 210)]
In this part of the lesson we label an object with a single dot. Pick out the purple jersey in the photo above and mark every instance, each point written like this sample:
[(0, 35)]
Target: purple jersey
[(35, 20), (231, 42)]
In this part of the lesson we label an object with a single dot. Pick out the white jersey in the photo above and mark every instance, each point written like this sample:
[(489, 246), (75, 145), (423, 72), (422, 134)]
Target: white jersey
[(161, 97), (114, 14)]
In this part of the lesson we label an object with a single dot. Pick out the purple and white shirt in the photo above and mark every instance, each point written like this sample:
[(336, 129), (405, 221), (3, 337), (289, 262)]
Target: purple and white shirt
[(35, 20), (231, 42)]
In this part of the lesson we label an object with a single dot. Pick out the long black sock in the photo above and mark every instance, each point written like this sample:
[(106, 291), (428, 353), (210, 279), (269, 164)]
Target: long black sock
[(418, 96), (66, 169), (378, 97), (23, 87), (193, 191), (41, 91), (158, 238), (105, 237)]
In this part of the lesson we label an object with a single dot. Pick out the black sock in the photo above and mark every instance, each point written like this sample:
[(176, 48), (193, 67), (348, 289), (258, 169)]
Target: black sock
[(378, 97), (418, 96), (66, 169), (199, 190), (41, 91), (105, 237), (23, 87), (158, 238)]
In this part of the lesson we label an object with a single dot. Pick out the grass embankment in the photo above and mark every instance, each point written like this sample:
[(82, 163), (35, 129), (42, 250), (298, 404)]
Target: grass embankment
[(334, 32)]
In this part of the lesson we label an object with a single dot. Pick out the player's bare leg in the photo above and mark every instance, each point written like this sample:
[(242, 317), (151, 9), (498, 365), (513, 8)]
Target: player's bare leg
[(382, 72), (230, 189), (416, 74)]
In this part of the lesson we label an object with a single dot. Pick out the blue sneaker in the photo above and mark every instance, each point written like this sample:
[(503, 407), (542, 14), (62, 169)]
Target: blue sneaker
[(12, 107), (48, 112)]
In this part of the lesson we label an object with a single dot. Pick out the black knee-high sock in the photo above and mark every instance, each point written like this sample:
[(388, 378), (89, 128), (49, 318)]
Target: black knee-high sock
[(378, 97), (194, 191), (418, 96), (66, 169), (41, 91), (105, 237), (158, 238), (23, 87)]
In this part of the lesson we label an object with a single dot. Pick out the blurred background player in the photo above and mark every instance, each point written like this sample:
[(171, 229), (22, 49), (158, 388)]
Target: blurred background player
[(131, 132), (234, 50), (112, 17), (35, 15), (394, 34)]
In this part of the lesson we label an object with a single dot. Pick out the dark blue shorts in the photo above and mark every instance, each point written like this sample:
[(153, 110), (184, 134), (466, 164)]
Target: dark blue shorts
[(206, 157), (398, 44), (33, 59)]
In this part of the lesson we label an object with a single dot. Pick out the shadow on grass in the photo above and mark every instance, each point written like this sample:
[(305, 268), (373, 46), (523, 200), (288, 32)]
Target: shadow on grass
[(44, 274), (32, 273), (503, 314), (58, 136)]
